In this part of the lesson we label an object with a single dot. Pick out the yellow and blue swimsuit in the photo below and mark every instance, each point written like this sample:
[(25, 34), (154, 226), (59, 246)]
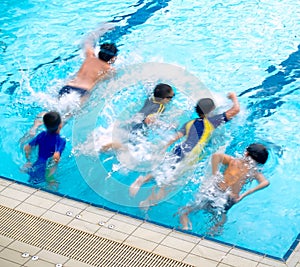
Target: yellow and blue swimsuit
[(197, 132), (150, 108)]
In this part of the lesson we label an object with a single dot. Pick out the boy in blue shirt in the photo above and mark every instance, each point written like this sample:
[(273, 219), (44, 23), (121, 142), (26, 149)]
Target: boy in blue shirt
[(50, 145)]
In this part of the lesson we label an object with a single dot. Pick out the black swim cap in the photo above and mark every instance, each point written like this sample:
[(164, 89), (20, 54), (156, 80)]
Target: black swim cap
[(258, 152), (204, 106), (52, 120), (107, 51)]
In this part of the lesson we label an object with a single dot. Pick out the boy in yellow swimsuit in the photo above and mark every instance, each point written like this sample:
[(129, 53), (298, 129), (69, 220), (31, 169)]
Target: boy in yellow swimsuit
[(197, 133)]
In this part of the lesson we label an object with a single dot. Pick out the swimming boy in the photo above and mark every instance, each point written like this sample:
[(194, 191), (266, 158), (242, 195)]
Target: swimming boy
[(221, 192), (92, 70), (153, 107), (50, 145), (197, 133)]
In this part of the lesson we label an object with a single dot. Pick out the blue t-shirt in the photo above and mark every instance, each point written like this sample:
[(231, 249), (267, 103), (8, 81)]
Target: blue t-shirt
[(48, 144)]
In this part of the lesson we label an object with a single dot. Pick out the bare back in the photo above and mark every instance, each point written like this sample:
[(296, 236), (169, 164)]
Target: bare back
[(92, 70), (235, 176)]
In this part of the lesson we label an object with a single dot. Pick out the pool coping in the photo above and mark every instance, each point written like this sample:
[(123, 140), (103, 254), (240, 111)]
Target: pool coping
[(144, 234)]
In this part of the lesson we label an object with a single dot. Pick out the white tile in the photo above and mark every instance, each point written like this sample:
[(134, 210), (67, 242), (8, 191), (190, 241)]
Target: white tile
[(246, 254), (149, 235), (186, 237), (9, 202), (293, 259), (178, 244), (28, 208), (208, 253), (200, 262), (23, 188), (272, 262), (156, 228), (170, 252), (12, 255), (15, 194), (63, 209), (40, 202), (4, 182), (5, 241), (84, 226), (47, 195), (23, 247), (111, 234), (127, 219), (38, 263), (121, 226), (100, 212), (57, 217), (140, 243), (238, 261), (93, 217), (7, 263), (74, 203), (215, 245), (52, 257)]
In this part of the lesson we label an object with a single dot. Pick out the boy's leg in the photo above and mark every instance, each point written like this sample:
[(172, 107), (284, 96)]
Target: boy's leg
[(112, 145), (136, 185), (153, 198), (184, 219)]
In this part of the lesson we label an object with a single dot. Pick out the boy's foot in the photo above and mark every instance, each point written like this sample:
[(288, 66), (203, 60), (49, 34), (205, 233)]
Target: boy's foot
[(144, 205)]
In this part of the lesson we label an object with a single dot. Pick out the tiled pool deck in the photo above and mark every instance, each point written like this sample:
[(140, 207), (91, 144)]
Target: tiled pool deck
[(136, 233)]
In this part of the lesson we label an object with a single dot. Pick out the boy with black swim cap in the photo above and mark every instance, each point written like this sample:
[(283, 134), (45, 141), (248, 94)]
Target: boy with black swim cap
[(221, 191)]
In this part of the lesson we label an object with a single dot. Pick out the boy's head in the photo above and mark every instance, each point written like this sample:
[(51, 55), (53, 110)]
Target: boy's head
[(204, 106), (107, 52), (163, 91), (52, 121), (258, 152)]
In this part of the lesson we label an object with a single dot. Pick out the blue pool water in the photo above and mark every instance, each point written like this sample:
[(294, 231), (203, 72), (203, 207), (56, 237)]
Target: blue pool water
[(249, 47)]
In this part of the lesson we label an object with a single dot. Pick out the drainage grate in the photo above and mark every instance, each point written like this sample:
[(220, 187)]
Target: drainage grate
[(76, 244)]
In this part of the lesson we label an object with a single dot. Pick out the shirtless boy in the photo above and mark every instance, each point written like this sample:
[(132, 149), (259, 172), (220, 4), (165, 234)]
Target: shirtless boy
[(93, 69), (228, 187)]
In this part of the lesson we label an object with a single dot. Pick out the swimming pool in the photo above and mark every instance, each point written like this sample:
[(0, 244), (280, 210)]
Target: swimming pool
[(245, 47)]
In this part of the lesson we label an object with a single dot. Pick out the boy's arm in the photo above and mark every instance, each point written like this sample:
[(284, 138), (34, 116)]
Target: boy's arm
[(93, 37), (235, 109), (60, 146), (263, 182), (218, 158), (32, 143), (174, 139), (27, 149)]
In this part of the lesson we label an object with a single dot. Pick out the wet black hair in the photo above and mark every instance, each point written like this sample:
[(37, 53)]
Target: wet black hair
[(52, 120), (162, 90), (258, 152), (204, 106), (107, 51)]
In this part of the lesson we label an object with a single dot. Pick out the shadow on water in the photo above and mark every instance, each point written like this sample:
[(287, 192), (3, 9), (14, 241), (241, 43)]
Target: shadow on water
[(267, 97)]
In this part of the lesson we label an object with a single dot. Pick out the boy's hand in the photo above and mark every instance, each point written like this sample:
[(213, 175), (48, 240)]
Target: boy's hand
[(231, 95), (56, 157)]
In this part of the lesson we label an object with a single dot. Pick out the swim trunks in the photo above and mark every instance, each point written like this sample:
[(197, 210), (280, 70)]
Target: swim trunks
[(67, 89), (213, 199)]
